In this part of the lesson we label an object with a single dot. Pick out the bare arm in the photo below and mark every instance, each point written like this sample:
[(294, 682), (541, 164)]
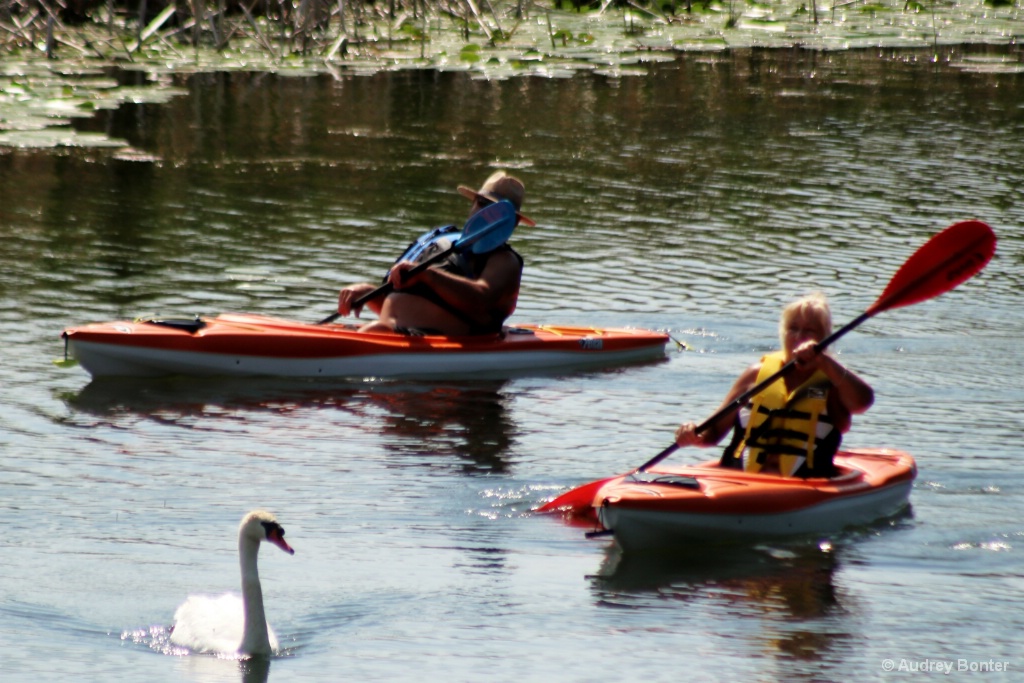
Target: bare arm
[(496, 288), (686, 434), (353, 292), (851, 395)]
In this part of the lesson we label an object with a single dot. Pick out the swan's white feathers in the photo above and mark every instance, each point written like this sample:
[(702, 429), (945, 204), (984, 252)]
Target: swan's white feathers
[(216, 624), (213, 623)]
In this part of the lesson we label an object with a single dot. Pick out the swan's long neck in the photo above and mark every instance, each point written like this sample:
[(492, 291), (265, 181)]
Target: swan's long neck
[(255, 640)]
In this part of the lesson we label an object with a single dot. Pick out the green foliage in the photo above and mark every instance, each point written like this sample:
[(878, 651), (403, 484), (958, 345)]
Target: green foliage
[(565, 37), (673, 7), (577, 5), (292, 31), (562, 35), (413, 31), (693, 7)]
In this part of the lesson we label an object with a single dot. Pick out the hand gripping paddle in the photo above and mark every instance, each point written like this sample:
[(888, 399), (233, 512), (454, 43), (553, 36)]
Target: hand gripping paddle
[(485, 230), (949, 258)]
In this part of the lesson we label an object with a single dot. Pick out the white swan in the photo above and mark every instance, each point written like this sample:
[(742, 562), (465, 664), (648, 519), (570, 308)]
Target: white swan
[(226, 624)]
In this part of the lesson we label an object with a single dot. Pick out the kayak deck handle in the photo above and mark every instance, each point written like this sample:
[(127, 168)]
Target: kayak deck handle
[(190, 326), (679, 480)]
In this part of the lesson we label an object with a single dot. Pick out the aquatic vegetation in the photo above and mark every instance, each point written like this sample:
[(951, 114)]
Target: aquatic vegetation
[(276, 33), (53, 60)]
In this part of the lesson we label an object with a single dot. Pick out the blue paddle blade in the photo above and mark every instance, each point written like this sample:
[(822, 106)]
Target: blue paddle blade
[(488, 228)]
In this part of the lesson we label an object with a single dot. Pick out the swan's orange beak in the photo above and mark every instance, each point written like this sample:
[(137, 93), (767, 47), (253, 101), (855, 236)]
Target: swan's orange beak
[(276, 536)]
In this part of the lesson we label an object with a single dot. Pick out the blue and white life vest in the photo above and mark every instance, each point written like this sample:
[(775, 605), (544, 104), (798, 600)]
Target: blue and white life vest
[(428, 244)]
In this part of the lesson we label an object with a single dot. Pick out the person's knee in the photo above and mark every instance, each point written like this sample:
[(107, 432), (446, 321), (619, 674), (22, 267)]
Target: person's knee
[(377, 326)]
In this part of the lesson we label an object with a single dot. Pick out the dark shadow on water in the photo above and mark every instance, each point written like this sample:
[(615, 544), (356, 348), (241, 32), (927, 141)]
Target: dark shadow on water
[(751, 562), (798, 575), (471, 420), (789, 585), (183, 396), (789, 588), (255, 670), (466, 418)]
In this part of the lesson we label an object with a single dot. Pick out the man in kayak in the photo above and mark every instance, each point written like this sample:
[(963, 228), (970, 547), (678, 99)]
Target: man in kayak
[(464, 294), (795, 425)]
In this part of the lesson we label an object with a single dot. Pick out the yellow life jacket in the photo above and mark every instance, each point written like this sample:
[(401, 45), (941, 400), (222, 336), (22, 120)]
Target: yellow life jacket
[(789, 425)]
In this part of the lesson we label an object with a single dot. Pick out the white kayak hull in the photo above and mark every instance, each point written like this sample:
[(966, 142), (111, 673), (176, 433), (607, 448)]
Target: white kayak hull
[(705, 502), (253, 346)]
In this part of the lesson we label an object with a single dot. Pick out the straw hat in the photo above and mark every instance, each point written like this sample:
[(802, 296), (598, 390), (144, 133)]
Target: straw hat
[(500, 186)]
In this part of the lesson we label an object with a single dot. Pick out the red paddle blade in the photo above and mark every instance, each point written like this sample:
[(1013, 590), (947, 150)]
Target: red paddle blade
[(951, 257), (577, 501)]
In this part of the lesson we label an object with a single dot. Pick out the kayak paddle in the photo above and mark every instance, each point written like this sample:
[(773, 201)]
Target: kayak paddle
[(485, 230), (949, 258)]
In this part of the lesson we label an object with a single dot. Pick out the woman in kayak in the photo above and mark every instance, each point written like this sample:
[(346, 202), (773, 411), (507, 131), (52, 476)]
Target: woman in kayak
[(464, 294), (795, 425)]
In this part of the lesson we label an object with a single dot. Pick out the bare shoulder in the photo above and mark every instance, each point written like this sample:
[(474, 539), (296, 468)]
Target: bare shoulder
[(749, 375)]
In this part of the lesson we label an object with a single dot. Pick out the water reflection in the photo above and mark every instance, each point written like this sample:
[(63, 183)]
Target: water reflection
[(785, 585), (800, 576), (468, 419), (255, 670), (178, 397), (210, 668)]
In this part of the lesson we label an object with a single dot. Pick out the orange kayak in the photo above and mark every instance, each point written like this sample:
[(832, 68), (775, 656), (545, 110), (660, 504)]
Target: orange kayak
[(254, 345), (668, 505)]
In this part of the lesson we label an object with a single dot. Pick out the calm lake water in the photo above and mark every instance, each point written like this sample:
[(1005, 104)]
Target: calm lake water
[(697, 199)]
